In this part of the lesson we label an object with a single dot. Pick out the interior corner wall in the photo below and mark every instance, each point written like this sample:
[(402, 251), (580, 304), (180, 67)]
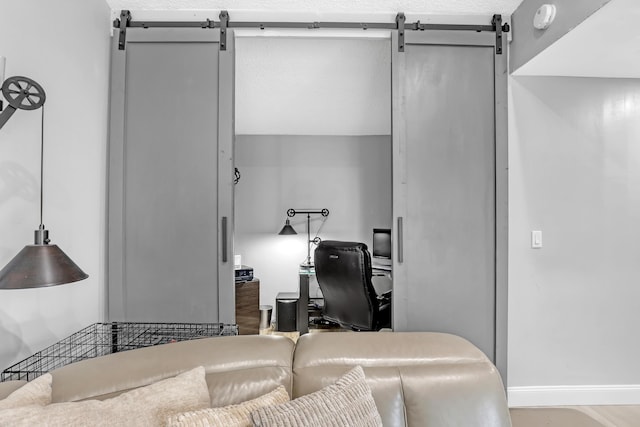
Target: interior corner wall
[(71, 62), (574, 173), (527, 41), (349, 175)]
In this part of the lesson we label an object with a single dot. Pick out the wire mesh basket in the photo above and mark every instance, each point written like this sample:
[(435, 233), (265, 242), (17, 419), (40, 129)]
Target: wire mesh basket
[(100, 339)]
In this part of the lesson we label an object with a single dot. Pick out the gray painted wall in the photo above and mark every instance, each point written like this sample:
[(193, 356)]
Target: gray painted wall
[(529, 41)]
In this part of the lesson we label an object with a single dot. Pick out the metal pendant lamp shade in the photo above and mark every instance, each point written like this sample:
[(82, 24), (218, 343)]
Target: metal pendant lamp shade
[(40, 264), (287, 229), (37, 266)]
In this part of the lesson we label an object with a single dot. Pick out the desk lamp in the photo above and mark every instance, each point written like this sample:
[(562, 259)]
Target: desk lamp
[(288, 229), (40, 264)]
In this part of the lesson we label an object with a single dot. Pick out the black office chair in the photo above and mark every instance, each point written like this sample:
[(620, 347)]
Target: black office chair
[(343, 270)]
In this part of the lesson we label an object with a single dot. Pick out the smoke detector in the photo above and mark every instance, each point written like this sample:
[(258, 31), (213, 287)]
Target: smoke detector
[(544, 16)]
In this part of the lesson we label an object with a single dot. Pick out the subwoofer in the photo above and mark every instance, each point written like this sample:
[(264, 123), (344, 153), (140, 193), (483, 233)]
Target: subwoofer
[(286, 311)]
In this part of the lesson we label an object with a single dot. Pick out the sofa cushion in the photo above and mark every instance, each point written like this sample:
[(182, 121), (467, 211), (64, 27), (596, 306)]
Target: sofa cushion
[(346, 403), (36, 392), (145, 406), (228, 416), (416, 378)]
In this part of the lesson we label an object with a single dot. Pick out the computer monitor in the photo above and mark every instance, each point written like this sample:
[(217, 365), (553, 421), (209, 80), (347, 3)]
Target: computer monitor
[(381, 243)]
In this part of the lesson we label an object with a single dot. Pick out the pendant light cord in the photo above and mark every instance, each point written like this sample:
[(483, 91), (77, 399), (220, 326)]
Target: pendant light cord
[(41, 165)]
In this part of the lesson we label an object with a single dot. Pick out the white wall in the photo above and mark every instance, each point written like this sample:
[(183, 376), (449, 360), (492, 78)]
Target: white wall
[(349, 175), (64, 47), (574, 305)]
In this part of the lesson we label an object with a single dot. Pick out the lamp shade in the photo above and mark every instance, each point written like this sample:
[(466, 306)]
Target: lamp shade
[(38, 266), (287, 229)]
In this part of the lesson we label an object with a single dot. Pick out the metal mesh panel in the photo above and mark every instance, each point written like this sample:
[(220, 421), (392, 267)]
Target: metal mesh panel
[(106, 338)]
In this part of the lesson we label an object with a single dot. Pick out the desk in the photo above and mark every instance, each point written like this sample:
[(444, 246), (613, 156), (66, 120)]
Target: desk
[(381, 280), (305, 274)]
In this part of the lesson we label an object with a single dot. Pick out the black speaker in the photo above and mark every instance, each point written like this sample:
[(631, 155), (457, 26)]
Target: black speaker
[(286, 311)]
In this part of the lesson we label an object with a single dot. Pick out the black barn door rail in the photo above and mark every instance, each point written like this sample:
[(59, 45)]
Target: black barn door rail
[(125, 22)]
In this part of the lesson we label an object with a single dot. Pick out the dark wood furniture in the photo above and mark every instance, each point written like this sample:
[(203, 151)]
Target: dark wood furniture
[(248, 307)]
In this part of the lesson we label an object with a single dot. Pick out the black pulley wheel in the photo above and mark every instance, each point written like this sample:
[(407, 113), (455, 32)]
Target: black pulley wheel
[(23, 93)]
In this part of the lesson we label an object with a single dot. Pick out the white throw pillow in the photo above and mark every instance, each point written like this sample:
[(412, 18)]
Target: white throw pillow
[(35, 392), (347, 403), (144, 406), (228, 416)]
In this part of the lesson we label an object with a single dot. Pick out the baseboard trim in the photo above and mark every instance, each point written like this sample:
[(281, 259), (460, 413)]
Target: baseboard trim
[(619, 394)]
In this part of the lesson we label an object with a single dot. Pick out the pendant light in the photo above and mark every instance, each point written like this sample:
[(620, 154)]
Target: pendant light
[(40, 264)]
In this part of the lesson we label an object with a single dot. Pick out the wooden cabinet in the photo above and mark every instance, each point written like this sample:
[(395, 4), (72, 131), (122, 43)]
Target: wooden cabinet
[(248, 307)]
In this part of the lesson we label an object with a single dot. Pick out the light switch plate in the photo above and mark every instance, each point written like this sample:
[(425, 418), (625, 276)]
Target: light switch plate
[(536, 239)]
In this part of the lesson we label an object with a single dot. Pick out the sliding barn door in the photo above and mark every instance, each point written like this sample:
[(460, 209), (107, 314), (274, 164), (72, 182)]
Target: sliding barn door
[(170, 187), (447, 192)]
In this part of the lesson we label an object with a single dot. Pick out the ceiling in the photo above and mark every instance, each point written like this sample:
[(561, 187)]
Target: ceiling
[(443, 7), (607, 44)]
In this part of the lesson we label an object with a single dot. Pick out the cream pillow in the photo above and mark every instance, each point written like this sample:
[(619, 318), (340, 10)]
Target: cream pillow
[(228, 416), (35, 392), (347, 403), (144, 406)]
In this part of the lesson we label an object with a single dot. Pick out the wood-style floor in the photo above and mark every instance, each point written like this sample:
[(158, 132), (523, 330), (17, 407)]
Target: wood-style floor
[(577, 416)]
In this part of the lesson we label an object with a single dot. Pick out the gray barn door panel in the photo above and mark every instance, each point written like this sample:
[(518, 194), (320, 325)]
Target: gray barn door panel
[(444, 137), (164, 255)]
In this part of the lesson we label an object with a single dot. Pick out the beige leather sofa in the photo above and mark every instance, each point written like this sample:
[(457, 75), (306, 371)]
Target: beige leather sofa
[(417, 378)]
